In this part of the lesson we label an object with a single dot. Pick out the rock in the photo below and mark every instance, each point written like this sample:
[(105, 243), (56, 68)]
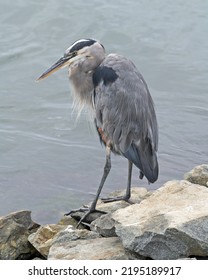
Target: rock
[(14, 231), (68, 220), (105, 225), (87, 245), (170, 224), (137, 194), (198, 175), (65, 238), (97, 249), (43, 237), (91, 217), (111, 207), (71, 234)]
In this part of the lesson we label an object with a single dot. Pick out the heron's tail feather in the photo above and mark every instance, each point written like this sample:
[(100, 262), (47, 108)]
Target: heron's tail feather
[(145, 158)]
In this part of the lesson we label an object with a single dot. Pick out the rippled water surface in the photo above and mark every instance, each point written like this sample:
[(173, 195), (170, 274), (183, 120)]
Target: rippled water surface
[(51, 164)]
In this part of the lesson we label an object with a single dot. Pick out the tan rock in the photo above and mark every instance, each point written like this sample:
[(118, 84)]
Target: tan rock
[(97, 249), (43, 237)]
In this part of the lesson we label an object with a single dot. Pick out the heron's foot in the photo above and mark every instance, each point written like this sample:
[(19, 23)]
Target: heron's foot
[(84, 208), (85, 219), (86, 216), (118, 198)]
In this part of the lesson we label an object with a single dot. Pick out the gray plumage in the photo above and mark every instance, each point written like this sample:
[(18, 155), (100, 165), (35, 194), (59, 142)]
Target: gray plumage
[(125, 112), (121, 103)]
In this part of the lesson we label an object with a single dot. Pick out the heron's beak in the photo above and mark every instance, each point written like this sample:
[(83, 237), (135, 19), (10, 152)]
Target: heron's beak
[(61, 63)]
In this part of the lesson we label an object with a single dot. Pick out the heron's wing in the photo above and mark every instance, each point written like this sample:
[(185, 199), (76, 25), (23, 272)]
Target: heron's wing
[(125, 115)]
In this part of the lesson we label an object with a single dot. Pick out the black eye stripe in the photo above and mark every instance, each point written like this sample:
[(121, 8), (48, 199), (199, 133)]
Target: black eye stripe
[(82, 44)]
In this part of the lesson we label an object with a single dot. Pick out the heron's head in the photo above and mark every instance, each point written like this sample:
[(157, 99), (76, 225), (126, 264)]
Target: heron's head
[(83, 55)]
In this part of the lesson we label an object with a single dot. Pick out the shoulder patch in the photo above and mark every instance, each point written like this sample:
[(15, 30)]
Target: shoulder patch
[(105, 74)]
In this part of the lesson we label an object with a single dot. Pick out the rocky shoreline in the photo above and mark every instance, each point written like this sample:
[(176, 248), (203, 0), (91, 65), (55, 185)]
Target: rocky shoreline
[(169, 223)]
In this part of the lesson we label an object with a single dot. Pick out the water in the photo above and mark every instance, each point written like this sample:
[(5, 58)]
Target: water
[(51, 164)]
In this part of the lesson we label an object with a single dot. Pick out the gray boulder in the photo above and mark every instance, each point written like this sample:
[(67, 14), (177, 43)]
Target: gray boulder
[(14, 231), (104, 225), (75, 244), (65, 248), (198, 175), (172, 223)]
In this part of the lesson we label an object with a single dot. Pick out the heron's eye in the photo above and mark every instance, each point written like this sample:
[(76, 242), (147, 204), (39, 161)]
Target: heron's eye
[(70, 55)]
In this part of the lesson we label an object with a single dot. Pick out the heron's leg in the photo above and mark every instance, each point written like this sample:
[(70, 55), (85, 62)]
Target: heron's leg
[(106, 171), (128, 189)]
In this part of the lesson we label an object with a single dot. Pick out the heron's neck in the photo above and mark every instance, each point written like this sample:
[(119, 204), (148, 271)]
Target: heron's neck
[(82, 88)]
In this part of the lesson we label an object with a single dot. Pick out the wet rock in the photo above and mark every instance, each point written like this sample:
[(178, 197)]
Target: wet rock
[(198, 175), (171, 224), (14, 231)]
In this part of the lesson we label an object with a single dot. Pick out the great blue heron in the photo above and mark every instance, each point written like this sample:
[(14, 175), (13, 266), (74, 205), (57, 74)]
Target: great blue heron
[(122, 105)]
